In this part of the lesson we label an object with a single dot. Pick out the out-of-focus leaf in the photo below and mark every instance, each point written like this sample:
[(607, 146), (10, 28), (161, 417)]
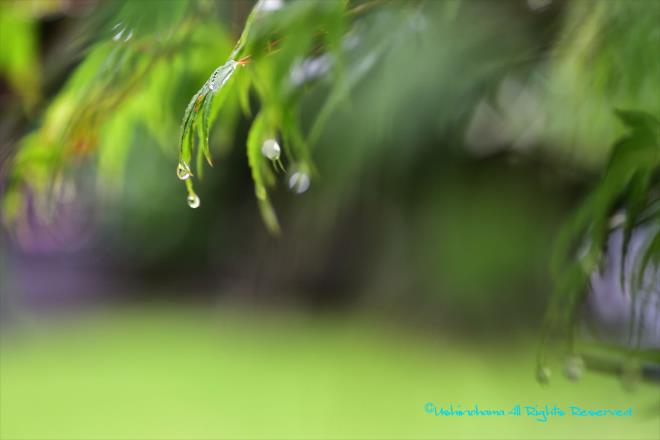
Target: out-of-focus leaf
[(600, 61), (19, 61), (258, 133), (629, 179), (135, 18)]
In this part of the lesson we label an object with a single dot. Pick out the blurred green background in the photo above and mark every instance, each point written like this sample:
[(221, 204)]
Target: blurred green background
[(183, 372), (413, 270)]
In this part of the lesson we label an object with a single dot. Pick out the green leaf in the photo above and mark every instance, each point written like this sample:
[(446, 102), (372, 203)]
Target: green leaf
[(258, 133), (204, 128), (243, 86), (201, 104), (185, 146), (637, 120), (629, 178)]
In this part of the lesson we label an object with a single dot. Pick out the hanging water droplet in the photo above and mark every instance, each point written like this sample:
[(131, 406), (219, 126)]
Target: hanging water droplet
[(129, 36), (193, 201), (543, 374), (574, 367), (631, 374), (299, 182), (271, 149), (183, 171), (270, 5), (118, 35)]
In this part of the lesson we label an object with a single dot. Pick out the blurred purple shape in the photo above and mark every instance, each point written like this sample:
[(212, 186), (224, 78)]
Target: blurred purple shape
[(611, 304)]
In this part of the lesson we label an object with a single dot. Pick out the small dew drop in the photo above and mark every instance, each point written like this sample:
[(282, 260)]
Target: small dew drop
[(271, 149), (574, 367), (193, 201), (118, 35), (221, 75), (270, 5), (213, 84), (299, 182), (183, 172), (543, 375)]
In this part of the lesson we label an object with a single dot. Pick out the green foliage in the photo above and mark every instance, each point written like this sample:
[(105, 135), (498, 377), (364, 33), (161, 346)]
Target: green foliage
[(273, 42), (601, 61), (19, 52), (135, 63), (148, 52), (261, 173), (627, 188), (198, 115), (408, 69)]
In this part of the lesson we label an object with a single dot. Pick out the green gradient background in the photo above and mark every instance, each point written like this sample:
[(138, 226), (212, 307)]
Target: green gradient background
[(201, 374)]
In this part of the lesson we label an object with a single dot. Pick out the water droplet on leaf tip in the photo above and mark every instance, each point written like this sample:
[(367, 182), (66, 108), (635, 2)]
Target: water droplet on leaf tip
[(574, 367), (183, 172), (118, 35), (271, 149), (299, 182), (193, 201), (270, 5)]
